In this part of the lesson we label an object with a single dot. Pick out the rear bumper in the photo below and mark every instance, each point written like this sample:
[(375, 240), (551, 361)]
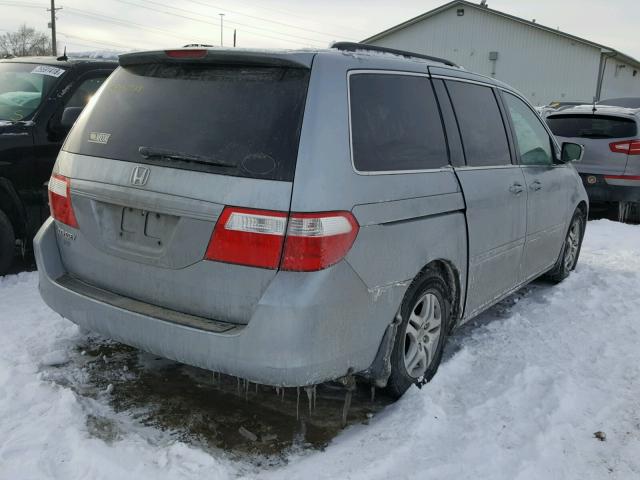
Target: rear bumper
[(602, 189), (307, 328)]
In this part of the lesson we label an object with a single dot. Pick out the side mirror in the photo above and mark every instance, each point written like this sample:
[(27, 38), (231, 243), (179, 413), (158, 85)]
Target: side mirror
[(69, 117), (571, 152)]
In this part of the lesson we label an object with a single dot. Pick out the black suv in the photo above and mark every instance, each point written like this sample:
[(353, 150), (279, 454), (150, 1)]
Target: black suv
[(40, 98)]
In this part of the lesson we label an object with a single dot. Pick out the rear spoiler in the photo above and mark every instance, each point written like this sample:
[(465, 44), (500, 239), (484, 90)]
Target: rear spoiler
[(220, 57)]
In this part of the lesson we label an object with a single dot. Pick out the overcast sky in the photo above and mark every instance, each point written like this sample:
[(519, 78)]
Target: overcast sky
[(141, 24)]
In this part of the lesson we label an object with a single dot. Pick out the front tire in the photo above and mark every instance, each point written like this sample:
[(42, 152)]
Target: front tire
[(7, 243), (421, 335), (570, 249)]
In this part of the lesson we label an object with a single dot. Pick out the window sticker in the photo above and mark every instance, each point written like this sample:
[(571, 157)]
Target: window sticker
[(48, 70), (99, 137)]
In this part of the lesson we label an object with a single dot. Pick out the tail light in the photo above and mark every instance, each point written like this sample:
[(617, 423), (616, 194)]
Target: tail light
[(60, 200), (318, 240), (628, 147), (299, 242)]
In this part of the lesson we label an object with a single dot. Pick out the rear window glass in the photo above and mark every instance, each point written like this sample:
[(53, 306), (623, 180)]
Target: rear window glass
[(395, 123), (592, 126), (240, 121), (484, 137)]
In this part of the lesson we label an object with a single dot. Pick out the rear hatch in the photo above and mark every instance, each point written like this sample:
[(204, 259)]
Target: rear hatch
[(604, 137), (169, 141)]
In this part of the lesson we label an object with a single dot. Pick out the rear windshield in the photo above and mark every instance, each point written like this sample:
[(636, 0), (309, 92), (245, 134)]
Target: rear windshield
[(240, 121), (592, 126)]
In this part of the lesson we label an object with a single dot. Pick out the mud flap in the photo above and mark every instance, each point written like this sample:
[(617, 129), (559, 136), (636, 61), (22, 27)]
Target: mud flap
[(380, 370)]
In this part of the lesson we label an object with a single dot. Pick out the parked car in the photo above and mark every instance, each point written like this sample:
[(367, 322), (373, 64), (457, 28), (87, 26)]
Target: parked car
[(297, 217), (34, 94), (610, 169)]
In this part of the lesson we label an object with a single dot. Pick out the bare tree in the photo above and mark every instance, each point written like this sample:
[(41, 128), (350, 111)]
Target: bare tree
[(25, 42)]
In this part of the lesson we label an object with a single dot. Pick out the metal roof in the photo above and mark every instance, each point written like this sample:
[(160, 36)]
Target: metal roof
[(604, 49)]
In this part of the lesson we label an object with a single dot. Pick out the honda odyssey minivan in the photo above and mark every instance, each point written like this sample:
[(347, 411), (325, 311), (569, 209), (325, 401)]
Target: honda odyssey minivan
[(303, 216)]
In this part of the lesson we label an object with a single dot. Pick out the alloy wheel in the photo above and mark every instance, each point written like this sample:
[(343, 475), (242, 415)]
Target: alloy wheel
[(573, 245), (422, 335)]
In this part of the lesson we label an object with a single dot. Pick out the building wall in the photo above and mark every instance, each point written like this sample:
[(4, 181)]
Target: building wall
[(541, 65), (619, 80)]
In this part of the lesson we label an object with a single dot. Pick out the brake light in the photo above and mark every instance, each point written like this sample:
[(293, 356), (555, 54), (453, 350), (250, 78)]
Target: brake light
[(60, 200), (318, 240), (185, 53), (267, 239), (628, 147)]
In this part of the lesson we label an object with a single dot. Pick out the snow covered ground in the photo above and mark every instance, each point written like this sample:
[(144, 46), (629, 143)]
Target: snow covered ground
[(520, 395)]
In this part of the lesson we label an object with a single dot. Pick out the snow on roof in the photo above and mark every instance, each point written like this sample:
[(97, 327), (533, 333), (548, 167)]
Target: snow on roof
[(96, 54)]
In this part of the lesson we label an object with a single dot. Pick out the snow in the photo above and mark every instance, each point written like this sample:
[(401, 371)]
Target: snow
[(521, 394), (98, 54)]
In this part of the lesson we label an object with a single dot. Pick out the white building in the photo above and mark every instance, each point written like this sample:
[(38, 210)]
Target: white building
[(545, 64)]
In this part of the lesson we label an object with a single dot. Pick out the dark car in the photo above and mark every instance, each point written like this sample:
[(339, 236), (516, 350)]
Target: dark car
[(35, 92)]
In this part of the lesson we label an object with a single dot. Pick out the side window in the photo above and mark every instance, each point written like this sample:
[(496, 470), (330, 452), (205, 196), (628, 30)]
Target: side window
[(534, 143), (395, 123), (84, 92), (484, 137)]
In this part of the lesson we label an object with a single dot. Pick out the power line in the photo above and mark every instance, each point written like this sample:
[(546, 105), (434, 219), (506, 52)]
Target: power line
[(248, 28), (101, 17), (86, 45), (23, 5), (102, 43), (289, 25), (126, 23), (323, 42), (293, 14)]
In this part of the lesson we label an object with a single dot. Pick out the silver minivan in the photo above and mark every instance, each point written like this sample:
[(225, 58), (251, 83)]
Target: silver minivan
[(303, 216)]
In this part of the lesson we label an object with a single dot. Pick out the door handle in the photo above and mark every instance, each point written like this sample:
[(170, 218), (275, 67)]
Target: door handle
[(516, 188), (535, 185)]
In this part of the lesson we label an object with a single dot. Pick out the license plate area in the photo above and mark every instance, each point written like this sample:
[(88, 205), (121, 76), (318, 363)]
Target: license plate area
[(146, 229)]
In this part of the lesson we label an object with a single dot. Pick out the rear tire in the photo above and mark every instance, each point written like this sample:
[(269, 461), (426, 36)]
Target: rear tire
[(7, 243), (570, 249), (422, 333)]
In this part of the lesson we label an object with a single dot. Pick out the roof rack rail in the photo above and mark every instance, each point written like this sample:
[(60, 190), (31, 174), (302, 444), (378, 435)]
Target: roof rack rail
[(353, 46)]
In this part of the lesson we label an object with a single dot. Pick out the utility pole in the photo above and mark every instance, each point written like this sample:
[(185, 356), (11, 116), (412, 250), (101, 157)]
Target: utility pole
[(52, 26), (234, 38), (221, 27)]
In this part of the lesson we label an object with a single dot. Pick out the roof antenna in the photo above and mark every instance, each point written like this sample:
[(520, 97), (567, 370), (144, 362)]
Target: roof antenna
[(64, 57), (483, 3), (594, 109)]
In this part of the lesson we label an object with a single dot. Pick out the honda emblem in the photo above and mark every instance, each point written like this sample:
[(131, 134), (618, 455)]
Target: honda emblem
[(139, 176)]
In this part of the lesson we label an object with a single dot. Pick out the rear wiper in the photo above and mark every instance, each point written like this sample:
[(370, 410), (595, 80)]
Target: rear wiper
[(151, 152)]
